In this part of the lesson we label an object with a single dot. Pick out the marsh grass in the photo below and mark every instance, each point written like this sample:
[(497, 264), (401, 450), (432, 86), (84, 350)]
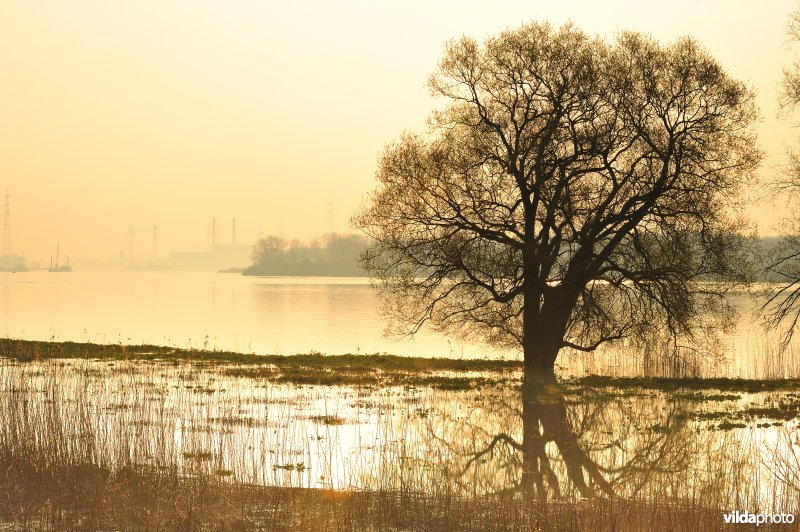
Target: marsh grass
[(109, 443), (91, 498)]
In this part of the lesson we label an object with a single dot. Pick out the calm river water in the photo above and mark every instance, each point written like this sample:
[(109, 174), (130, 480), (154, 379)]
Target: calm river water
[(273, 315), (289, 315)]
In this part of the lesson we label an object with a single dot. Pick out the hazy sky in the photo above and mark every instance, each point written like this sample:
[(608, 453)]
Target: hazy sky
[(134, 113)]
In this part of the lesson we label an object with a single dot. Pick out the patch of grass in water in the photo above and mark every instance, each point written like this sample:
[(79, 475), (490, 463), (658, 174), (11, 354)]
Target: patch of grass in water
[(704, 416), (331, 377), (199, 456), (728, 425), (783, 410), (451, 383), (354, 363), (672, 384), (300, 466), (705, 397), (328, 420)]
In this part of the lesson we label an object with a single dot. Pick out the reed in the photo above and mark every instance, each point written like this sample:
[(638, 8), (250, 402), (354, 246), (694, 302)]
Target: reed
[(115, 444)]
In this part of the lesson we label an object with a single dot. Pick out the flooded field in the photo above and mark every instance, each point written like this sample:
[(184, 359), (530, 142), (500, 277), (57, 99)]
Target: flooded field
[(699, 445)]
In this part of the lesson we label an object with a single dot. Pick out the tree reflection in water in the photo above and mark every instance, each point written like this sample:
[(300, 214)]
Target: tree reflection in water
[(593, 446)]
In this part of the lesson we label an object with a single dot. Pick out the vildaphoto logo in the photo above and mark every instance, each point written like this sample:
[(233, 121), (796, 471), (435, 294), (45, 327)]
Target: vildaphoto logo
[(741, 518)]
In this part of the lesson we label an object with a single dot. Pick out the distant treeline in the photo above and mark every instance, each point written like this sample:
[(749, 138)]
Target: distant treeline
[(331, 254), (337, 255)]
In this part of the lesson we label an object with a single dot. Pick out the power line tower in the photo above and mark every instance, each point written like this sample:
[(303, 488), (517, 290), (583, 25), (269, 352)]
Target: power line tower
[(6, 251), (130, 235), (155, 243)]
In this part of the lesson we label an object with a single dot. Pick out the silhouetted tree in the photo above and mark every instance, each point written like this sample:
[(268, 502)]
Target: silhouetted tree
[(571, 192), (784, 260)]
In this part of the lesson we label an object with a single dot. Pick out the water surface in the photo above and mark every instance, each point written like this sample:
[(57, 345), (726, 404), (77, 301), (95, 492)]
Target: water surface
[(275, 315), (704, 448), (332, 315)]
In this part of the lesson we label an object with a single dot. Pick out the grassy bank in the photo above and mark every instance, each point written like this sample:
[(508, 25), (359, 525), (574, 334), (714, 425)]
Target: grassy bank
[(28, 350), (364, 369), (313, 368)]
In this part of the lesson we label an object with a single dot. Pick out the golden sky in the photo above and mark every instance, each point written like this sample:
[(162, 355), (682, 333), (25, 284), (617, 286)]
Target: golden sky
[(118, 114)]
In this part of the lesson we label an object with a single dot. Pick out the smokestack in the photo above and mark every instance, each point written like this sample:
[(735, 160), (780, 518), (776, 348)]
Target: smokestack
[(233, 232)]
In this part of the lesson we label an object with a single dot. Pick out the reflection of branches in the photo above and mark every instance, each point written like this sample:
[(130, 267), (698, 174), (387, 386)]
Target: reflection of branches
[(784, 463), (660, 454), (503, 409), (497, 439), (593, 448), (552, 417)]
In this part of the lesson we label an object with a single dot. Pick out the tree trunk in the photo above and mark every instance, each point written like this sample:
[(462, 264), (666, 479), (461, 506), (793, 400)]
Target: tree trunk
[(546, 310), (542, 336), (538, 347), (534, 453), (540, 357)]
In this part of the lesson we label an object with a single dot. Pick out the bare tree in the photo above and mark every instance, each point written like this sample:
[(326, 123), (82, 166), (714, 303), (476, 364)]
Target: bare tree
[(571, 192), (783, 305)]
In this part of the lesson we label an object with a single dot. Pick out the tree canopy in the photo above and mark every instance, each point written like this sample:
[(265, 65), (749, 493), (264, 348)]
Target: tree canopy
[(571, 191)]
